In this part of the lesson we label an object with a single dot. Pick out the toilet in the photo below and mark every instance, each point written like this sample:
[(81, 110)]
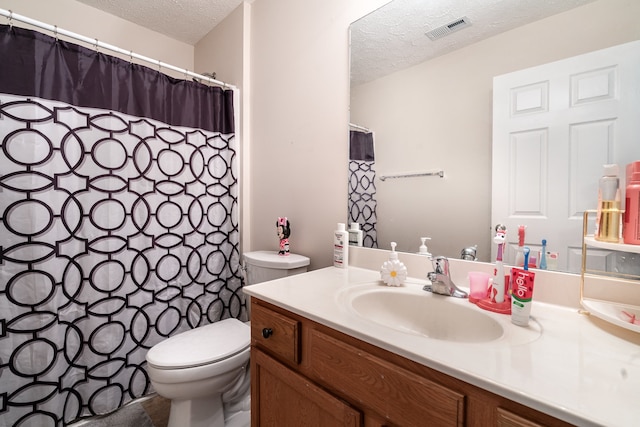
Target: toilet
[(205, 371), (196, 367)]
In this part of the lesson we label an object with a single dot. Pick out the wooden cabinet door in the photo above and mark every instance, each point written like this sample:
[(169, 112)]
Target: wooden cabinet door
[(282, 398)]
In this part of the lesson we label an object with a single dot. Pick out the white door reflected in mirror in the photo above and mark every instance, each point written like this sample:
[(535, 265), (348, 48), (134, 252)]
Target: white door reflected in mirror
[(554, 127)]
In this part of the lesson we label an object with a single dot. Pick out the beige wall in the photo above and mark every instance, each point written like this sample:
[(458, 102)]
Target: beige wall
[(299, 120), (220, 51), (439, 115), (225, 50), (88, 21)]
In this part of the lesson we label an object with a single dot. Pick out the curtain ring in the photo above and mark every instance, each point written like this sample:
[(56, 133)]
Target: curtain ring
[(95, 46), (130, 57), (159, 65), (55, 32), (11, 20)]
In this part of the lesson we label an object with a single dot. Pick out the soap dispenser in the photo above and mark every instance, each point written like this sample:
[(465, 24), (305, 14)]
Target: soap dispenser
[(423, 250), (393, 272)]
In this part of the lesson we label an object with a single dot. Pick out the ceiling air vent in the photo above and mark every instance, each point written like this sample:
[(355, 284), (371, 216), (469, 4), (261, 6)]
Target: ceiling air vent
[(449, 28)]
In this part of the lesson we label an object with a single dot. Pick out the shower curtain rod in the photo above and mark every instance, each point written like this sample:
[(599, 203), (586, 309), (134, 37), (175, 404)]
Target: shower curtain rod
[(98, 44), (353, 125)]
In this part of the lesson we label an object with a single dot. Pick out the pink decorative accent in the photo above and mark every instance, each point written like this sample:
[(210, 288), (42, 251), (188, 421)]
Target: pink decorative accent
[(284, 247), (283, 228), (630, 317), (501, 308), (492, 290)]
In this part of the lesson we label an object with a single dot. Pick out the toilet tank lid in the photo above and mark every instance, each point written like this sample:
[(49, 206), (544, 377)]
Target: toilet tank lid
[(202, 345), (271, 259)]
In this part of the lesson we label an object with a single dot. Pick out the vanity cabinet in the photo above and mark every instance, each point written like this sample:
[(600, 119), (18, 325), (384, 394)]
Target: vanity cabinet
[(306, 374)]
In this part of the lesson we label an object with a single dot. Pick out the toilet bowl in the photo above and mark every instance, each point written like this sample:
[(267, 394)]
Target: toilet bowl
[(205, 371), (196, 367)]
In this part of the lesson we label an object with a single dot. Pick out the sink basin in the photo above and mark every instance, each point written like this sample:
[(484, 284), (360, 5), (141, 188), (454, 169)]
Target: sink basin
[(426, 315), (411, 310)]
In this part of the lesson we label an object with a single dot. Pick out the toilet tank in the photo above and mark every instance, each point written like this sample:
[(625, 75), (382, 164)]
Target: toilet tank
[(262, 266)]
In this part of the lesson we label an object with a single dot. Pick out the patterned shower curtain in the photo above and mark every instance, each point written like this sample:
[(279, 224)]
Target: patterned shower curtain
[(362, 188), (118, 224)]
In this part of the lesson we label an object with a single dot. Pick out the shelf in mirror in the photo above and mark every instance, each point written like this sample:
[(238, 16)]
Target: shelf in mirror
[(620, 247), (623, 315), (619, 312)]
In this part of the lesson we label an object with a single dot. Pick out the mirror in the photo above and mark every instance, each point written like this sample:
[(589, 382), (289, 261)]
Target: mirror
[(431, 111)]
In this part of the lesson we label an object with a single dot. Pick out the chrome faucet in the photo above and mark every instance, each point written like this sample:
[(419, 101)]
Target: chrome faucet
[(469, 253), (440, 279)]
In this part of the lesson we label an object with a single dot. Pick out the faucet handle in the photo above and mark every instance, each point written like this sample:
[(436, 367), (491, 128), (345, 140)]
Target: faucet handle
[(440, 265), (441, 282)]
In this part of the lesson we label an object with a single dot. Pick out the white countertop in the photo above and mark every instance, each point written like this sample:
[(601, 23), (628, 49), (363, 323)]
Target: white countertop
[(579, 369)]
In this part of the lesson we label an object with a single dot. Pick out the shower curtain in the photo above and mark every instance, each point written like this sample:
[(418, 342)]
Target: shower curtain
[(119, 224), (362, 188)]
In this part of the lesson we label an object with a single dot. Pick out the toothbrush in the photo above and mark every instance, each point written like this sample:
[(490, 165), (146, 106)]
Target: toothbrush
[(543, 255), (519, 255), (498, 280), (526, 251), (498, 272)]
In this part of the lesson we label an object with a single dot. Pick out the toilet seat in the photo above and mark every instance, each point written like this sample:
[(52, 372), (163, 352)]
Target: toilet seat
[(200, 346), (229, 366)]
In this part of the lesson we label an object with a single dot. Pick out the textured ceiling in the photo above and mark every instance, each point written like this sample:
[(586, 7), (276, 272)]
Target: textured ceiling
[(184, 20), (393, 37)]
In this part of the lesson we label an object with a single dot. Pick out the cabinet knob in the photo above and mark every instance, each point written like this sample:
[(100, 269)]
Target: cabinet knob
[(267, 332)]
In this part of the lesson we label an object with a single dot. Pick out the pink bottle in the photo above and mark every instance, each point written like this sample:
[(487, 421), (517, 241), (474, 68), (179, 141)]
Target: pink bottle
[(631, 229)]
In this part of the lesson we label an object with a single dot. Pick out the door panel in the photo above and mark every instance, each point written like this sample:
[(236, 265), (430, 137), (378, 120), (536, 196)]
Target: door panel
[(554, 126)]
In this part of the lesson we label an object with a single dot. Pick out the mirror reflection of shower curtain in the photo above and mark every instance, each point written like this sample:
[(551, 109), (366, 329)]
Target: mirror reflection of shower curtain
[(362, 187)]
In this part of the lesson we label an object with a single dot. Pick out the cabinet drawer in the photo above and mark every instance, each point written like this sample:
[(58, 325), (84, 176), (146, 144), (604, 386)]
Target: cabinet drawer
[(402, 397), (509, 419), (278, 334)]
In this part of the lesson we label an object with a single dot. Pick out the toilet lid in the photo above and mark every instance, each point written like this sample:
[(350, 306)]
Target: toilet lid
[(271, 259), (201, 346)]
